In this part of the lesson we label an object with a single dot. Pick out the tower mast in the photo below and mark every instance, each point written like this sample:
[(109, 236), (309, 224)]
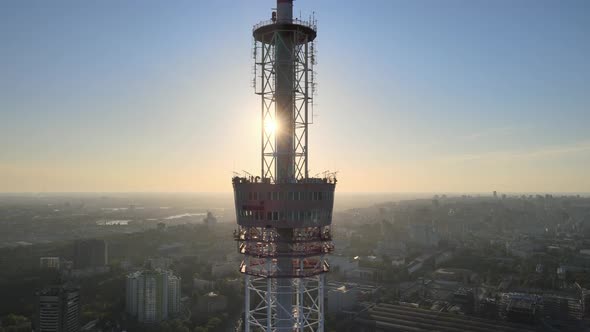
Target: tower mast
[(284, 216)]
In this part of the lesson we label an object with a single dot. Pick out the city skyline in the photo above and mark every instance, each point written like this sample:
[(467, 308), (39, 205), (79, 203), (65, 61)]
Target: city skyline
[(413, 96)]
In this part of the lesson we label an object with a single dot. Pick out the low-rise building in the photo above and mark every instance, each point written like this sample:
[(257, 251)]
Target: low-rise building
[(343, 298), (343, 264), (201, 285), (211, 303), (364, 274), (384, 317)]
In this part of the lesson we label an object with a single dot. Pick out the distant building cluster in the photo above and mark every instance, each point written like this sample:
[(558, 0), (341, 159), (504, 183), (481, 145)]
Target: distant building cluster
[(90, 257), (450, 263)]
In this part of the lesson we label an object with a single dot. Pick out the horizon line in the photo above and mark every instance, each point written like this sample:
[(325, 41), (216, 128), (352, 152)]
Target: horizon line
[(340, 192)]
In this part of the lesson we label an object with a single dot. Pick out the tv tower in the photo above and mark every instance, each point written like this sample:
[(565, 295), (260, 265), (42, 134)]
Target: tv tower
[(284, 215)]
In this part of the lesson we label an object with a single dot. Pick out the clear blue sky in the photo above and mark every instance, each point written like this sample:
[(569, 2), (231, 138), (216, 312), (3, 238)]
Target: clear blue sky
[(442, 96)]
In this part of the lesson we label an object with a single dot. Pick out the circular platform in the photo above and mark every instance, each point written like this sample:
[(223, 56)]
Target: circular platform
[(265, 32), (288, 205)]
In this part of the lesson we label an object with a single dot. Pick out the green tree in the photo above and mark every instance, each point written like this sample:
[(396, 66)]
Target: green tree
[(213, 323)]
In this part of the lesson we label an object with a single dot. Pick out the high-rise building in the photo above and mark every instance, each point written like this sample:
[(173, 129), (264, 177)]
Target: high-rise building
[(173, 294), (424, 234), (90, 254), (210, 219), (152, 295), (49, 263), (58, 310), (284, 214)]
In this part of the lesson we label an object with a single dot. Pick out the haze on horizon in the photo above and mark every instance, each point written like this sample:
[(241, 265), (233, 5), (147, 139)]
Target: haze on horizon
[(414, 96)]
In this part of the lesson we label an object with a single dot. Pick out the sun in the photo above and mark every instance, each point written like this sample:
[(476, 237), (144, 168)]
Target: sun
[(270, 126)]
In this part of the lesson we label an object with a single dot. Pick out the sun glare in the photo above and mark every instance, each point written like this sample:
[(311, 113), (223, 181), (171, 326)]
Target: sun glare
[(270, 126)]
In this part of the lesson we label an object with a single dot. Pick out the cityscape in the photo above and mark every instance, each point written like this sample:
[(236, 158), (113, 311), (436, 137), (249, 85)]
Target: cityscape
[(486, 262), (141, 211)]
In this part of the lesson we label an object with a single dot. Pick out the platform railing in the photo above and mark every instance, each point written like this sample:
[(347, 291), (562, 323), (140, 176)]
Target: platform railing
[(310, 24), (297, 250), (246, 235), (262, 271)]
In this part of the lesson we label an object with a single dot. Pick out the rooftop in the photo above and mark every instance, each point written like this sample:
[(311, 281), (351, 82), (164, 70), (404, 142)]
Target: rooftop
[(394, 317)]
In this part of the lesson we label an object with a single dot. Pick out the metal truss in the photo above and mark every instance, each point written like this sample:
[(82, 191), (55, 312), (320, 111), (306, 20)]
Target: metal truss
[(261, 305), (284, 264), (266, 72)]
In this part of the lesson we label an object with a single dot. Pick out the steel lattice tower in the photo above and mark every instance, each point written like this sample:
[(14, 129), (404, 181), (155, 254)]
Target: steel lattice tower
[(284, 215)]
